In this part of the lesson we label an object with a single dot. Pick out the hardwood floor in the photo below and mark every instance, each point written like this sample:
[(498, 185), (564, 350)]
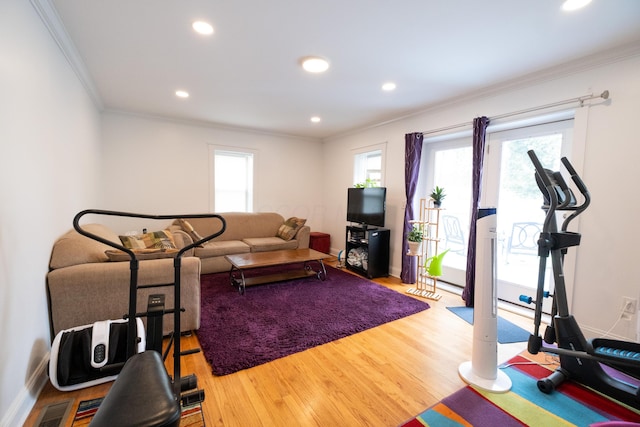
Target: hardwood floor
[(379, 377)]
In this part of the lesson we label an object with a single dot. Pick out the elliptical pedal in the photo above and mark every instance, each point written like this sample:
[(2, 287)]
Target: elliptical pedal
[(624, 351), (624, 356), (617, 353)]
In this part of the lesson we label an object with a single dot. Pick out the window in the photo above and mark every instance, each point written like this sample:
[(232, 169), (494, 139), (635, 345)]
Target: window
[(368, 166), (232, 180)]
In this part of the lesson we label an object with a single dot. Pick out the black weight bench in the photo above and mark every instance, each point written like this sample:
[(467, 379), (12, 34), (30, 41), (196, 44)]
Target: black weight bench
[(141, 396)]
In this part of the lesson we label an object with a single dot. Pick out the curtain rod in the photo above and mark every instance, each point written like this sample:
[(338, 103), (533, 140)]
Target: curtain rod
[(580, 99)]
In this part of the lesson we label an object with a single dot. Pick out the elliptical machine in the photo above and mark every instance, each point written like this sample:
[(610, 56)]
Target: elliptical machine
[(580, 359)]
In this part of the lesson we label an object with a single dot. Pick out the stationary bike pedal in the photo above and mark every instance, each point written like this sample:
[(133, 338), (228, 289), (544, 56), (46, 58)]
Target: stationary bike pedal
[(192, 398), (188, 383)]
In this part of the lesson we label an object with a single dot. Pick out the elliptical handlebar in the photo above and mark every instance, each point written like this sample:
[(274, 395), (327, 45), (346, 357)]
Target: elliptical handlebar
[(568, 200), (549, 187), (574, 175), (555, 186), (581, 187), (539, 168)]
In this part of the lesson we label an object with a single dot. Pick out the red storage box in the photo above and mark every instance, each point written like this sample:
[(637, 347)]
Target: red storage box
[(320, 242)]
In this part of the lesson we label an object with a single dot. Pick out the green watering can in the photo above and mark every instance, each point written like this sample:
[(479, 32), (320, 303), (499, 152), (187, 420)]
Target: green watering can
[(433, 265)]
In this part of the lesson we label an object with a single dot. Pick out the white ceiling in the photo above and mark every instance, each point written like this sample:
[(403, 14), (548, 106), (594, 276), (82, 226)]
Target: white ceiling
[(133, 55)]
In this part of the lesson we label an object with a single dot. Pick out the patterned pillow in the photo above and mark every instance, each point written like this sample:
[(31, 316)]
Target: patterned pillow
[(290, 228), (188, 228), (153, 240)]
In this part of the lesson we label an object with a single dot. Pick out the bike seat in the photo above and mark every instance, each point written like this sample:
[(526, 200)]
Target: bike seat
[(142, 395)]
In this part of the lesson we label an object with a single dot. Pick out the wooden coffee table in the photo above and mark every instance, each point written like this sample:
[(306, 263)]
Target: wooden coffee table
[(243, 262)]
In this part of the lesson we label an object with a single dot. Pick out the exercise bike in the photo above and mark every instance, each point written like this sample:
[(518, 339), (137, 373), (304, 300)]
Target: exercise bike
[(143, 393), (581, 360)]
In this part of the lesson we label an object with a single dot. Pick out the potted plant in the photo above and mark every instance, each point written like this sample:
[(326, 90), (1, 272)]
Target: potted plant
[(414, 239), (437, 195)]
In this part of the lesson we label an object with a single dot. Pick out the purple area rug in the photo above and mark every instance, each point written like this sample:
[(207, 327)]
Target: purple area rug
[(278, 319)]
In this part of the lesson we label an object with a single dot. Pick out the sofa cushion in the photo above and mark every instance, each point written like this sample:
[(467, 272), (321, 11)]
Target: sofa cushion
[(141, 254), (264, 244), (290, 227), (73, 248), (227, 247), (155, 239)]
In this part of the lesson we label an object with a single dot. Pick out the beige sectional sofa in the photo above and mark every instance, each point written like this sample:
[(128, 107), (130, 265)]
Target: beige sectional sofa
[(85, 285)]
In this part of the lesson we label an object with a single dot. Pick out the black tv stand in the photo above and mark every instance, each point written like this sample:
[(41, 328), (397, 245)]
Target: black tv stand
[(370, 246)]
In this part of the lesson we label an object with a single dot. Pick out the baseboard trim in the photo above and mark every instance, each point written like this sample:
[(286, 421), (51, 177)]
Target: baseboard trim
[(27, 397)]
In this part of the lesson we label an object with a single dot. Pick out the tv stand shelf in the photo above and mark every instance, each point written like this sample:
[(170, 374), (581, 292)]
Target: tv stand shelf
[(367, 251)]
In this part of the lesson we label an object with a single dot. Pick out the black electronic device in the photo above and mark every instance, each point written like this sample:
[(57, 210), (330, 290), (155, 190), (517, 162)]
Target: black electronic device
[(367, 206)]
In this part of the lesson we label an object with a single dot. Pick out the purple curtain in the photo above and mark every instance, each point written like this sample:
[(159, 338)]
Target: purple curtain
[(412, 155), (479, 135)]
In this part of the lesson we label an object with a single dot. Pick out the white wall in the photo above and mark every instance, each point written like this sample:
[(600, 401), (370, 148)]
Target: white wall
[(606, 258), (49, 168), (156, 166)]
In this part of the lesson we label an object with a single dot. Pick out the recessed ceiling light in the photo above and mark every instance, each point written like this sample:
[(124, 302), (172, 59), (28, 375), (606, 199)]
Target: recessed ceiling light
[(389, 86), (574, 4), (314, 64), (315, 119), (182, 94), (202, 27)]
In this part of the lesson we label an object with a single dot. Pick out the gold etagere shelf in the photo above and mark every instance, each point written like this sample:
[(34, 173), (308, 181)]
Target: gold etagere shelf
[(428, 222)]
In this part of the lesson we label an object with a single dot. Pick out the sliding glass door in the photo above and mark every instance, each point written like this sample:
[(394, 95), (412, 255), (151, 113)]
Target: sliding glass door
[(509, 185), (450, 166)]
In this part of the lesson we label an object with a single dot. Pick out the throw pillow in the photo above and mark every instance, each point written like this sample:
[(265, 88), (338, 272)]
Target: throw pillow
[(188, 228), (153, 240), (141, 254), (290, 227)]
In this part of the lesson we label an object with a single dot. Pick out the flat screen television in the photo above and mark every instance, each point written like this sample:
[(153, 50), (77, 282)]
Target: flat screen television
[(366, 206)]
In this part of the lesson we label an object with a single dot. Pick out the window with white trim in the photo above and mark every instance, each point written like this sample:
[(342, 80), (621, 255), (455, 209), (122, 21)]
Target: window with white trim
[(232, 180), (368, 166)]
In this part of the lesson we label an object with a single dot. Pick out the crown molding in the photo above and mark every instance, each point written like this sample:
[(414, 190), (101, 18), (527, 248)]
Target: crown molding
[(49, 16)]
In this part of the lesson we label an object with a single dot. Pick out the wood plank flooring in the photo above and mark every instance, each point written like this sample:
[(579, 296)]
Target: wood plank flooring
[(379, 377)]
